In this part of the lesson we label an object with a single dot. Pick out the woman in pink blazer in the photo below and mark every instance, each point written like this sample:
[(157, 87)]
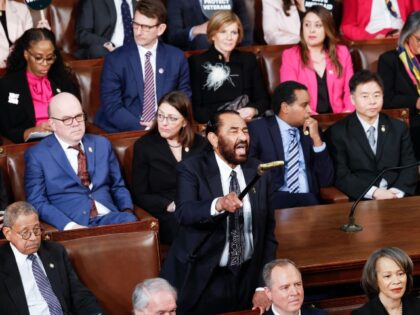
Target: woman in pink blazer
[(320, 64)]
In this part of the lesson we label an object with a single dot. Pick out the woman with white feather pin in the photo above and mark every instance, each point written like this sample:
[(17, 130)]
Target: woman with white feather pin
[(223, 77)]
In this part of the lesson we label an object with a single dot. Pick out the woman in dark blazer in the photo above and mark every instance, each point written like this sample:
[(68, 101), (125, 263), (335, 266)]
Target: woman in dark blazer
[(156, 155), (387, 280), (35, 73), (400, 71), (223, 74)]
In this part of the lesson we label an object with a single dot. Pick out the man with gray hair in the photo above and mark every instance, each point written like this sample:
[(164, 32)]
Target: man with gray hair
[(284, 288), (37, 277), (154, 296)]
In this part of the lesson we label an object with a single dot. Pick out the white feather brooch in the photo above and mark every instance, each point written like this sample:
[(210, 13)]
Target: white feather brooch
[(217, 75)]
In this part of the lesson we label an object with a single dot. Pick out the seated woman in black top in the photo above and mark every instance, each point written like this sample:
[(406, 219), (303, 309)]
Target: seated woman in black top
[(35, 73), (400, 72), (387, 280), (156, 155), (223, 74)]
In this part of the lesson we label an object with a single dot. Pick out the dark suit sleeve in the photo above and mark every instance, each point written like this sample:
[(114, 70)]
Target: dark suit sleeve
[(82, 300), (85, 35), (390, 72), (178, 33), (259, 96), (239, 8), (184, 76), (323, 167), (201, 113), (151, 202)]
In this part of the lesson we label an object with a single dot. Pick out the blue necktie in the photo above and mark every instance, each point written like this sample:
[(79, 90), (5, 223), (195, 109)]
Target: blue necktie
[(236, 229), (292, 178), (126, 18), (371, 138), (44, 287)]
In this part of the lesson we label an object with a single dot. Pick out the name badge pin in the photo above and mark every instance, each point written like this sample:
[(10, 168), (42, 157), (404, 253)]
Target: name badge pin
[(161, 70), (90, 149), (383, 128), (51, 265)]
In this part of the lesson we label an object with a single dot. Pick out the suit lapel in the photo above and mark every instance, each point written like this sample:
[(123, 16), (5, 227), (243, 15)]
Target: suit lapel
[(356, 130), (13, 281), (26, 98), (249, 171), (136, 68), (276, 138), (111, 10), (90, 148), (383, 129), (160, 70), (214, 180), (306, 144)]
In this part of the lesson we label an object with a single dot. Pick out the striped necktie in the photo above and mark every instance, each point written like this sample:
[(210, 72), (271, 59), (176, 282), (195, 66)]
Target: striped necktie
[(44, 287), (149, 90), (292, 178)]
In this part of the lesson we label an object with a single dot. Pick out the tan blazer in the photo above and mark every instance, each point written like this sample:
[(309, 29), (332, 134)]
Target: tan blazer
[(18, 20)]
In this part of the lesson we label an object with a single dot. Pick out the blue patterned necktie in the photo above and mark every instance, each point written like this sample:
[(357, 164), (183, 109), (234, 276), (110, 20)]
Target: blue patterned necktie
[(126, 19), (292, 178), (236, 229), (44, 287)]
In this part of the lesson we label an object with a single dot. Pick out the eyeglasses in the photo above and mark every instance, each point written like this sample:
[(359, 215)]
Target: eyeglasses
[(170, 119), (68, 121), (40, 60), (26, 234), (143, 27)]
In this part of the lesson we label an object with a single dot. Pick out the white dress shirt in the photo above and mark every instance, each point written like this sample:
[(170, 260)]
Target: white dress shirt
[(71, 155), (36, 303), (381, 18), (225, 171), (118, 36), (275, 312)]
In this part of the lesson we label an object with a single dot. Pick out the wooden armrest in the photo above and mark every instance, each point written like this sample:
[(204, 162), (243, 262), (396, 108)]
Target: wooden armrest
[(333, 195)]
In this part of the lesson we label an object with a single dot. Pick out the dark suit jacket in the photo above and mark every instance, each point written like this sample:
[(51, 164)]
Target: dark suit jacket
[(184, 14), (154, 178), (16, 118), (55, 190), (304, 311), (73, 296), (411, 306), (198, 183), (122, 84), (355, 163), (95, 25), (245, 78), (267, 145)]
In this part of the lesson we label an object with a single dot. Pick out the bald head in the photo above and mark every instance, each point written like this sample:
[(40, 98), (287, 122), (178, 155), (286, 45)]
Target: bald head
[(67, 118)]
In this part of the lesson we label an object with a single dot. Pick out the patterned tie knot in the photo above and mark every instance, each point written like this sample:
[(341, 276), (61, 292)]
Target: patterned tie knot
[(233, 174), (31, 257), (292, 133), (148, 55), (77, 147)]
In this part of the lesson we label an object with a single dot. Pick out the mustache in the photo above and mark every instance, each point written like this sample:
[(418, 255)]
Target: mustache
[(239, 142)]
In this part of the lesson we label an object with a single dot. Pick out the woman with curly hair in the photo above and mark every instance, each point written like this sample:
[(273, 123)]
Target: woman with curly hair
[(319, 63), (35, 73)]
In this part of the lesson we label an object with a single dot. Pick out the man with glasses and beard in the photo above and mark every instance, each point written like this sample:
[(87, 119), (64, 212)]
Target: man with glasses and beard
[(215, 263), (37, 277), (73, 179)]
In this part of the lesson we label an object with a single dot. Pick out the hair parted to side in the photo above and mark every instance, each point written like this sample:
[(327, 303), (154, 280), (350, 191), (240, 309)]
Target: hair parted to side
[(331, 37), (220, 19), (215, 122), (15, 210), (285, 92), (369, 279), (363, 77), (411, 26), (268, 268), (153, 9), (144, 291)]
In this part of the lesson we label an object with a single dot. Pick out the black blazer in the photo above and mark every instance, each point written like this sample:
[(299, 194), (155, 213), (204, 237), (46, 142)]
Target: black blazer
[(303, 311), (154, 178), (411, 306), (16, 118), (245, 78), (73, 296), (198, 183), (355, 163)]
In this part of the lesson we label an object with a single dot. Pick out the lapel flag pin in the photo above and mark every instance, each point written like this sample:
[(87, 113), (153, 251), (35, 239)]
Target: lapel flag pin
[(51, 265), (161, 70), (90, 149), (383, 128), (58, 90)]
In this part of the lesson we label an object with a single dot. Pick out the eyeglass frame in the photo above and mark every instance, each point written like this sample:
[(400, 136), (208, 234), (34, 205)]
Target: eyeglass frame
[(169, 118), (22, 233), (83, 115), (143, 27), (39, 60)]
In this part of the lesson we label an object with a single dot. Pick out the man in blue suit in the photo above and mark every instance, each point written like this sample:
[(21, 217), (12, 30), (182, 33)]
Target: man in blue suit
[(73, 179), (187, 24), (135, 76), (284, 288), (273, 138)]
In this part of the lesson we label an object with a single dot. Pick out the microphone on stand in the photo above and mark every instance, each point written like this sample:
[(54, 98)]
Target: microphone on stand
[(352, 226)]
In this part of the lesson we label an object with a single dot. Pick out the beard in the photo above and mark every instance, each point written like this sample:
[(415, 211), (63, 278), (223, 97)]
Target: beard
[(229, 153)]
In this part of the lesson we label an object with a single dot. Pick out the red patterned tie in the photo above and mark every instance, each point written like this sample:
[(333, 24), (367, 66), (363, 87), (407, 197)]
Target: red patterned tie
[(84, 175), (149, 91)]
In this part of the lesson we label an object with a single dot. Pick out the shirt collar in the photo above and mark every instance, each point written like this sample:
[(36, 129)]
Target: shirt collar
[(20, 258), (65, 145), (284, 126), (143, 50), (366, 126), (224, 168)]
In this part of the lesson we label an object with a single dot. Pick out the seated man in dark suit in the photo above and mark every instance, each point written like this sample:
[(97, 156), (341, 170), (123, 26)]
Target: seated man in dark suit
[(36, 277), (292, 135), (101, 26), (216, 260), (73, 179), (367, 142), (187, 24), (284, 287), (135, 76)]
